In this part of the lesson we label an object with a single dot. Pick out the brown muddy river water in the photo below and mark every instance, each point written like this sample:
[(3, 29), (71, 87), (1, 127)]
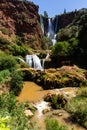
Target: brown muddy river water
[(33, 93)]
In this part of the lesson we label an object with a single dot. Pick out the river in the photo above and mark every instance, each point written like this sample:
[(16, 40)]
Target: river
[(34, 93)]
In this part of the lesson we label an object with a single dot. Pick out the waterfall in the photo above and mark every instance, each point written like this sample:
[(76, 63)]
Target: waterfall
[(51, 30), (34, 62), (42, 23), (43, 60)]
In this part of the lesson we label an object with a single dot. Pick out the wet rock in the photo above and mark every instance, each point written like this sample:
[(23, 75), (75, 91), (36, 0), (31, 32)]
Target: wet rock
[(45, 111)]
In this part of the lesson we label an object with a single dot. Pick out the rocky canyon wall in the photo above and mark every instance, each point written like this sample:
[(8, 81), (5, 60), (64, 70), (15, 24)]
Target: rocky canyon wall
[(21, 18)]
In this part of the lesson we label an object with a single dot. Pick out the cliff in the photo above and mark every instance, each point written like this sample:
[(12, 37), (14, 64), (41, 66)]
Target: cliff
[(21, 18), (63, 20)]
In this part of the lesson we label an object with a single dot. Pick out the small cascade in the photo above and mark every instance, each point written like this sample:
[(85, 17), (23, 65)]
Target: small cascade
[(21, 60), (42, 23), (51, 30), (34, 62), (43, 60), (42, 106)]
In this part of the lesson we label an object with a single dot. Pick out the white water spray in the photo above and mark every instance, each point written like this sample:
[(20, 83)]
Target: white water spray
[(51, 31)]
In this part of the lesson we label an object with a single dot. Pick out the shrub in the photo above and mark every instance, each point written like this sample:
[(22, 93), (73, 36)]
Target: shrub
[(8, 102), (61, 49), (58, 101), (80, 115), (46, 42), (16, 39), (12, 113), (5, 31), (3, 43), (4, 76), (52, 124), (4, 123), (17, 50), (16, 82), (78, 109), (82, 92), (7, 62), (63, 35)]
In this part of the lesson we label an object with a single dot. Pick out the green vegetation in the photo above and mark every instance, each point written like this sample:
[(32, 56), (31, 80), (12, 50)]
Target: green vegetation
[(16, 82), (4, 76), (12, 115), (18, 50), (46, 43), (52, 124), (72, 41), (61, 49), (7, 62), (78, 107), (3, 43), (65, 76), (5, 31), (58, 101)]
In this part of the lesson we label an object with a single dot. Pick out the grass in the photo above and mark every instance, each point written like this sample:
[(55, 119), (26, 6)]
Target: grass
[(78, 107), (53, 124)]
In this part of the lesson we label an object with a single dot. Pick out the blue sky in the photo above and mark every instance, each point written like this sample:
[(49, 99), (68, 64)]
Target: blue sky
[(55, 7)]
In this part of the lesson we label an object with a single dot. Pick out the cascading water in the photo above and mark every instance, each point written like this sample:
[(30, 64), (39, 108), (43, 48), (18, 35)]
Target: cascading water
[(51, 31), (42, 23), (34, 62)]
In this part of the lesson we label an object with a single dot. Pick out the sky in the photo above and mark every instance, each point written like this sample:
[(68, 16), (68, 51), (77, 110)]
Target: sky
[(56, 7)]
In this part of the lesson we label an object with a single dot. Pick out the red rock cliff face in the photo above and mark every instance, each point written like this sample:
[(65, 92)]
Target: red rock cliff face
[(21, 18)]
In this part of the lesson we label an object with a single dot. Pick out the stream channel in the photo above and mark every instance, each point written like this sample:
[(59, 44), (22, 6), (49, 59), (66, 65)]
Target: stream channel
[(33, 93)]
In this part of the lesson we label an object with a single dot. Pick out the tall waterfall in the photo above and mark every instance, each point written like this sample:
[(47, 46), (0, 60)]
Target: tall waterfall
[(51, 31), (42, 23)]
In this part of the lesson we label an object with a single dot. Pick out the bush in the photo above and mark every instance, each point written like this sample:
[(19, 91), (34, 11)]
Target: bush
[(7, 102), (17, 50), (46, 43), (3, 43), (80, 115), (7, 62), (61, 49), (58, 101), (52, 124), (63, 35), (82, 91), (5, 31), (12, 115), (16, 82), (4, 76), (77, 106)]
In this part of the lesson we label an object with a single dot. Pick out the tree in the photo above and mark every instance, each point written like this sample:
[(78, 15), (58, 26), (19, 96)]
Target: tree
[(45, 14)]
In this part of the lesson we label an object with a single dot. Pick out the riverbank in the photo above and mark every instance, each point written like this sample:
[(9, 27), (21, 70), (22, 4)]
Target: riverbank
[(34, 93)]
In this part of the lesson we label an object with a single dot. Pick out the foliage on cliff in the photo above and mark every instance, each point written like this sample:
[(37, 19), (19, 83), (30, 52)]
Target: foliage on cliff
[(72, 41), (21, 19), (65, 76)]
